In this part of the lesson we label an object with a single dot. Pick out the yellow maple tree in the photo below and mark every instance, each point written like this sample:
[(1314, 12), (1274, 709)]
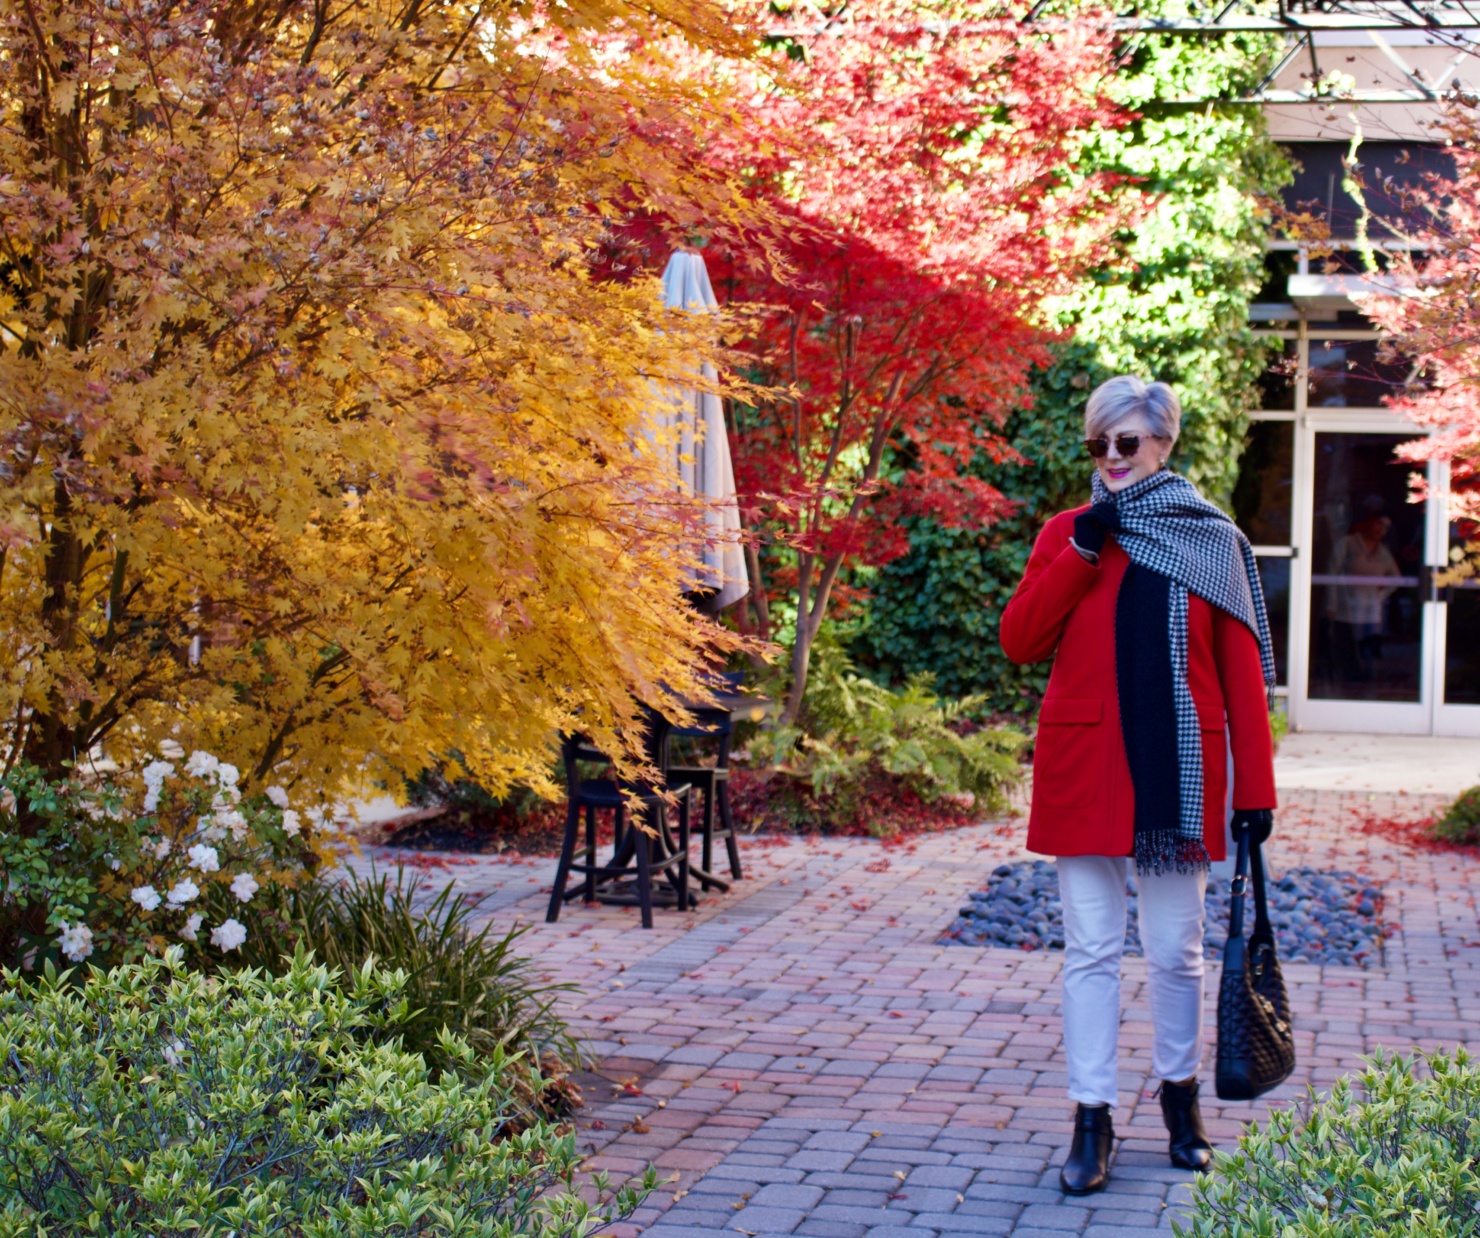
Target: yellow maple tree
[(321, 445)]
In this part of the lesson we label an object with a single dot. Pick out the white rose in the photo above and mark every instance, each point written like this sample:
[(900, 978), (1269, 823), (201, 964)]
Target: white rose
[(204, 857), (151, 801), (161, 848), (292, 823), (169, 748), (235, 822), (227, 775), (244, 885), (192, 927), (146, 896), (156, 772), (229, 935), (201, 764), (76, 943), (182, 892), (278, 796)]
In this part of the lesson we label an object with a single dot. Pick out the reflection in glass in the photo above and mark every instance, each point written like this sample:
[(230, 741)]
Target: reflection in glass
[(1365, 633), (1462, 627), (1348, 374), (1275, 576), (1279, 265), (1462, 645), (1262, 494), (1277, 381)]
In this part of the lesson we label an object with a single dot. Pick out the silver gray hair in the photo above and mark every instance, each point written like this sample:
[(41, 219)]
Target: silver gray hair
[(1125, 395)]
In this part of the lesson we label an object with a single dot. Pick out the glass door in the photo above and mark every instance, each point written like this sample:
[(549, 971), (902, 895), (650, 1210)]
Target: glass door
[(1365, 639), (1456, 689), (1369, 627)]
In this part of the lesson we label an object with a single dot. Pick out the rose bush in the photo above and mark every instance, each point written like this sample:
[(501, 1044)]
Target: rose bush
[(106, 867)]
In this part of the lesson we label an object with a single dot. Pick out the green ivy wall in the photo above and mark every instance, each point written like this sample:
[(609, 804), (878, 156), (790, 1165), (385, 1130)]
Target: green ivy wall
[(1176, 309)]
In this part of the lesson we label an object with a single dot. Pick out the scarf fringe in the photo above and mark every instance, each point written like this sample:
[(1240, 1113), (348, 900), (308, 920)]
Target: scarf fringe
[(1166, 851)]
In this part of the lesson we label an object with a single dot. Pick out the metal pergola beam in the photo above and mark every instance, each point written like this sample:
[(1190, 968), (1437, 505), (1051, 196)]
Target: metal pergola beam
[(1454, 24), (1302, 24), (1291, 97), (1312, 16)]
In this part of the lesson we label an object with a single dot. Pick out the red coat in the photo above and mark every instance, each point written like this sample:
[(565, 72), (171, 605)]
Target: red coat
[(1083, 802)]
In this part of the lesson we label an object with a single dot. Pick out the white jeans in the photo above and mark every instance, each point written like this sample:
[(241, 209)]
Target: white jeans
[(1092, 889)]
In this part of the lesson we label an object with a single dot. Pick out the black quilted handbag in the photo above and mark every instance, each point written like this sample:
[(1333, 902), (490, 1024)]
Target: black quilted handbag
[(1256, 1045)]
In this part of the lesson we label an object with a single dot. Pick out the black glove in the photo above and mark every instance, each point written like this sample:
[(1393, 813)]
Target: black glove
[(1091, 527), (1258, 821)]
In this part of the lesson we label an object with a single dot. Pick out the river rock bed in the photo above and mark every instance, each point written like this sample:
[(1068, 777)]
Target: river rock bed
[(1318, 916)]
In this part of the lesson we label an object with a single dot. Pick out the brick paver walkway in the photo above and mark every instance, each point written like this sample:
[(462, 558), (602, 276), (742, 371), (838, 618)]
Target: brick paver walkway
[(800, 1056)]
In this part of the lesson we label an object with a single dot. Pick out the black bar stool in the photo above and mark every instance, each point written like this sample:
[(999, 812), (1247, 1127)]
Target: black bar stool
[(714, 782), (637, 856)]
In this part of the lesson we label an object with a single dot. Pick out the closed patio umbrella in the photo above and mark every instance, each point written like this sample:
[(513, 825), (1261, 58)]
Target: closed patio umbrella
[(701, 448)]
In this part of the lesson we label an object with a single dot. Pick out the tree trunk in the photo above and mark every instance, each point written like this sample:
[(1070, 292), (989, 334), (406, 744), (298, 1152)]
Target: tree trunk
[(809, 623), (51, 740), (801, 645), (801, 659)]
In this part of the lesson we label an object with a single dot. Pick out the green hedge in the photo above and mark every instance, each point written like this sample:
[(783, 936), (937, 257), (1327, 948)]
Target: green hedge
[(1175, 309), (1390, 1153), (154, 1102)]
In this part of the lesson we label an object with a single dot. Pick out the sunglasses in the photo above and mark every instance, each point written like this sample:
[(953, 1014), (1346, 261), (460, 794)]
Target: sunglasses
[(1126, 444)]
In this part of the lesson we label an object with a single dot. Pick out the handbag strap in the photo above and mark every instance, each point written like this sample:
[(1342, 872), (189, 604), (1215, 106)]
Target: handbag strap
[(1250, 862), (1261, 899), (1238, 888)]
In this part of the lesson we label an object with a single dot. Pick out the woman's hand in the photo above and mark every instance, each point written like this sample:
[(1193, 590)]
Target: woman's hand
[(1258, 821), (1091, 527)]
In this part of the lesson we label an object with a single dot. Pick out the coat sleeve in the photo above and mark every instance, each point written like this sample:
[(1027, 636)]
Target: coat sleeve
[(1057, 576), (1245, 699)]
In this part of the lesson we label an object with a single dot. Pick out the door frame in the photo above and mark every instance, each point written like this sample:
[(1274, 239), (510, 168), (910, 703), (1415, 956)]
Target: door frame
[(1455, 720), (1366, 717), (1430, 716)]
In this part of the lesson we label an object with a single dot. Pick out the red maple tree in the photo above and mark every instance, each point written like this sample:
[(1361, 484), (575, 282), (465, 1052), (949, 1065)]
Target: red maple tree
[(1434, 316), (917, 167)]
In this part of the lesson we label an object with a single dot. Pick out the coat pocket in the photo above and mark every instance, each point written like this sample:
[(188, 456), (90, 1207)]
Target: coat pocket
[(1215, 769), (1070, 757)]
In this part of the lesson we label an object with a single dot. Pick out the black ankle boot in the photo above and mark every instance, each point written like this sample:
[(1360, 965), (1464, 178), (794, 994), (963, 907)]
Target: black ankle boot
[(1087, 1168), (1189, 1146)]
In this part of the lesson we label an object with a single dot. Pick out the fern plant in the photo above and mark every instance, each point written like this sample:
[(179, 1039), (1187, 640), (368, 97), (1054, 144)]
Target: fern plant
[(851, 732)]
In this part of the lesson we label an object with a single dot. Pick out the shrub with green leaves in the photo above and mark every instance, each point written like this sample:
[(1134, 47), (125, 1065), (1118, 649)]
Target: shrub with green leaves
[(853, 732), (456, 975), (156, 1102), (1391, 1152), (1461, 820)]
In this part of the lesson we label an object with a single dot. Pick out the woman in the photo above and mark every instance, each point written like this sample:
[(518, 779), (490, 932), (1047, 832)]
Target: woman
[(1356, 609), (1149, 603)]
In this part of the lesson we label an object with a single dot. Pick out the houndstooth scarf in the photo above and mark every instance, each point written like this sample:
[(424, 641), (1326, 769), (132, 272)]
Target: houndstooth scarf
[(1178, 543)]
